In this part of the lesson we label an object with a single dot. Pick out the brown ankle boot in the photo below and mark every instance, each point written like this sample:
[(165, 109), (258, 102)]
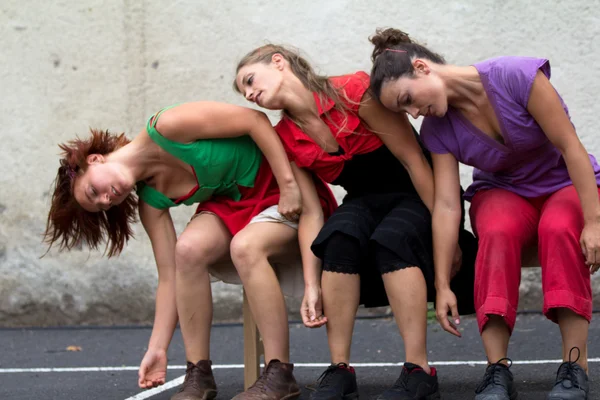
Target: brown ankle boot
[(276, 383), (199, 383)]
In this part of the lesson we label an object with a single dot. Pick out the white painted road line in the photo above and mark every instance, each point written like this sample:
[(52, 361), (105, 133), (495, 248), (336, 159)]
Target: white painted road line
[(153, 392), (296, 365)]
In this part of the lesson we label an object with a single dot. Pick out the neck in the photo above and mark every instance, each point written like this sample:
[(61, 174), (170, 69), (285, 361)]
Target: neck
[(139, 160), (463, 85), (298, 100)]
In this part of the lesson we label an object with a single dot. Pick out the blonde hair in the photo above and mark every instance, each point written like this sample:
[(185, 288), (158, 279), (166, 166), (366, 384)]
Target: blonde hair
[(305, 72)]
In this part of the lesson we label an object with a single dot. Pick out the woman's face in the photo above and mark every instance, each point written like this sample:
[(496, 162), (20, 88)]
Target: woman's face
[(261, 83), (101, 186), (422, 94)]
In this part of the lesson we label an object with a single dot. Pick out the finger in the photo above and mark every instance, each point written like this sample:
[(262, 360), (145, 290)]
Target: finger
[(455, 315), (447, 325), (306, 319), (584, 249), (594, 256), (321, 322), (304, 313), (312, 313), (452, 329)]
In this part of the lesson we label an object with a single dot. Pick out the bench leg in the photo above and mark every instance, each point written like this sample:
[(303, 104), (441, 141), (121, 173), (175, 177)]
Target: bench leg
[(253, 348)]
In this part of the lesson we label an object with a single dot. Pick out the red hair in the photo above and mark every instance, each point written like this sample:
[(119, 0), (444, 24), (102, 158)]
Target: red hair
[(69, 223)]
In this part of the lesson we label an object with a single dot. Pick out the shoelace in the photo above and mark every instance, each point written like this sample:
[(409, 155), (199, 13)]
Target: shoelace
[(189, 381), (491, 376), (566, 371), (261, 382), (323, 380)]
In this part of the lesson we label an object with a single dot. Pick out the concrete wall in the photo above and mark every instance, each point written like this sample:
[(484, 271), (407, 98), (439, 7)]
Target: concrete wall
[(69, 65)]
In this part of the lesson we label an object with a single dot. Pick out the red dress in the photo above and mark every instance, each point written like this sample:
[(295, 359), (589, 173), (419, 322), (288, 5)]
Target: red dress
[(265, 193)]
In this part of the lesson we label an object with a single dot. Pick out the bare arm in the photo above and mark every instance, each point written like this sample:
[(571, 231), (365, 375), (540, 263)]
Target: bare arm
[(211, 120), (311, 222), (159, 226), (396, 133), (446, 216), (544, 105), (445, 224)]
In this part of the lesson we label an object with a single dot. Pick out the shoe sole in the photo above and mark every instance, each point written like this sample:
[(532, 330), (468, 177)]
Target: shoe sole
[(351, 396)]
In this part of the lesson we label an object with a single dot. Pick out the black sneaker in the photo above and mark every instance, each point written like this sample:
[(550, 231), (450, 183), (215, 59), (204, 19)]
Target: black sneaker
[(498, 383), (571, 381), (413, 383), (338, 382)]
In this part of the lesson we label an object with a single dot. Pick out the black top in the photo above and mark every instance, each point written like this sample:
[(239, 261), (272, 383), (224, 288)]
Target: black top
[(376, 172)]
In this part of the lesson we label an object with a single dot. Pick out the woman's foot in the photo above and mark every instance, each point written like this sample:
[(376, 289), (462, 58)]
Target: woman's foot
[(571, 381), (498, 383), (277, 382), (199, 383), (338, 382), (413, 383)]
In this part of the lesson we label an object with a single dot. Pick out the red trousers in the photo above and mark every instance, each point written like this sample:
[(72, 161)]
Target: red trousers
[(505, 224)]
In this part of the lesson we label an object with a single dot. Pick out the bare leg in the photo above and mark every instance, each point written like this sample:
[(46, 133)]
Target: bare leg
[(574, 330), (341, 295), (495, 336), (251, 250), (204, 242), (407, 292)]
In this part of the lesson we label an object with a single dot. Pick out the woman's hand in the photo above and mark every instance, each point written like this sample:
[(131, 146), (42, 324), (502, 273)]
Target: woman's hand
[(312, 308)]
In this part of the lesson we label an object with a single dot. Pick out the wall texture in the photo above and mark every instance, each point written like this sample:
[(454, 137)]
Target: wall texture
[(68, 66)]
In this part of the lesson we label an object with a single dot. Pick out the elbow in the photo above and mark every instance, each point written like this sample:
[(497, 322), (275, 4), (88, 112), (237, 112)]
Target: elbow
[(447, 212)]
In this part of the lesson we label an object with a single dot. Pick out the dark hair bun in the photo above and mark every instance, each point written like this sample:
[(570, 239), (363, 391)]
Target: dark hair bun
[(388, 38)]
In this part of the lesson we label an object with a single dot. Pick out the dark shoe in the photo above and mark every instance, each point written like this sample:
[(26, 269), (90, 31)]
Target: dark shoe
[(199, 383), (338, 382), (413, 383), (571, 381), (497, 384), (277, 382)]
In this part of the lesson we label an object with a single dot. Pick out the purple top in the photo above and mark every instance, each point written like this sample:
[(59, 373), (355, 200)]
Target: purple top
[(528, 163)]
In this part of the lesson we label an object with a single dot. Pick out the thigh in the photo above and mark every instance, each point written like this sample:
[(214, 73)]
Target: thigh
[(560, 227), (205, 237), (499, 211), (355, 218), (406, 232), (562, 211), (276, 240)]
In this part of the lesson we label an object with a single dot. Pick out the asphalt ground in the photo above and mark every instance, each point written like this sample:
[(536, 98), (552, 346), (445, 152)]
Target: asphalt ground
[(35, 363)]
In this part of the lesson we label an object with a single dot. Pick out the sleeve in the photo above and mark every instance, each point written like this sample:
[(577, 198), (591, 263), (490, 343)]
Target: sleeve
[(353, 88), (430, 136), (518, 74)]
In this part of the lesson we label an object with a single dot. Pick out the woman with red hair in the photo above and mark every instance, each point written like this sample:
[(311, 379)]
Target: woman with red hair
[(206, 153)]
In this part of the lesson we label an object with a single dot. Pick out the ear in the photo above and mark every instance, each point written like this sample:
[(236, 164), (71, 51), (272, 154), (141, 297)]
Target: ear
[(421, 66), (95, 159), (278, 60)]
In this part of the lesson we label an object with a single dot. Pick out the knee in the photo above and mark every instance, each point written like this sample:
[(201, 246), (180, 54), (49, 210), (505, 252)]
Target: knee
[(246, 252), (191, 256), (559, 228)]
